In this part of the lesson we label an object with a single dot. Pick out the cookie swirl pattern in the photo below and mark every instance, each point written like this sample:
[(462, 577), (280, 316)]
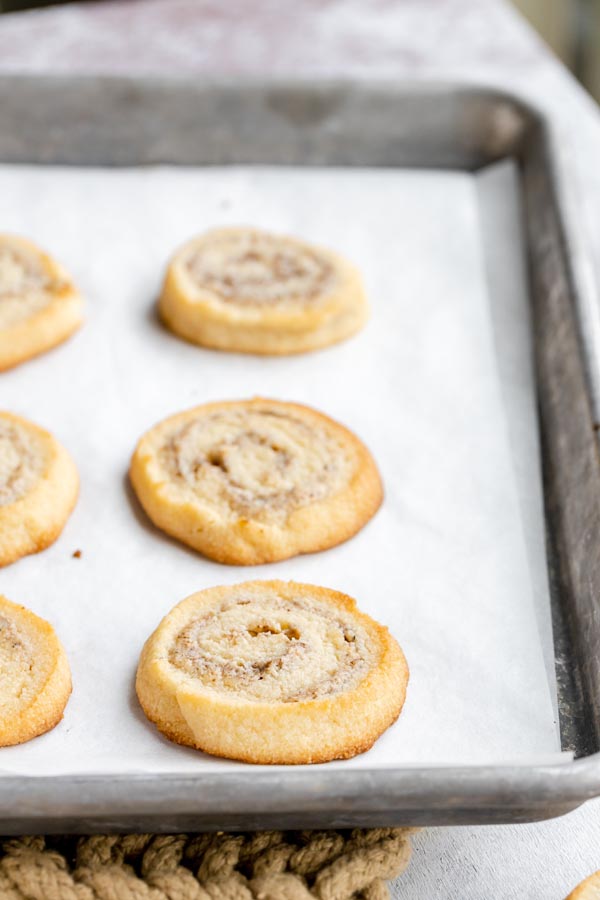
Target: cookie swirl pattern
[(39, 305), (251, 291), (38, 488), (36, 680), (248, 482), (272, 672)]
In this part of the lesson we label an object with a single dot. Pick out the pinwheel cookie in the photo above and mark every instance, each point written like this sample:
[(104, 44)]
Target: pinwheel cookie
[(255, 292), (38, 488), (272, 672), (248, 482), (36, 681), (588, 889), (39, 305)]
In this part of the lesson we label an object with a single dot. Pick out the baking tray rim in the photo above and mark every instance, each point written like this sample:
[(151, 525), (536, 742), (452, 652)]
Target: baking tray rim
[(539, 791)]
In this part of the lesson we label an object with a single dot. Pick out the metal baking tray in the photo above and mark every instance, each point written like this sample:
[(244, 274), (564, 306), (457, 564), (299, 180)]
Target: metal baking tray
[(145, 121)]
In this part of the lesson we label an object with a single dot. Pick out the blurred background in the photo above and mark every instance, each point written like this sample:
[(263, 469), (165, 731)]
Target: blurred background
[(570, 27)]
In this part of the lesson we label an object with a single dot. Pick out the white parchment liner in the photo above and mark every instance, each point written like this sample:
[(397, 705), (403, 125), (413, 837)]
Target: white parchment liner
[(439, 385)]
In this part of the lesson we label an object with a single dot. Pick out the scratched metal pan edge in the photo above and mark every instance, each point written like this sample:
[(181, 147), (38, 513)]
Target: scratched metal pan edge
[(118, 121)]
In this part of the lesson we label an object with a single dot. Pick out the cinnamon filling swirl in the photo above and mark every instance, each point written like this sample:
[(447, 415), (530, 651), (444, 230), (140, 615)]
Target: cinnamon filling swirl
[(256, 269), (262, 463), (25, 286), (15, 662), (274, 649), (21, 462)]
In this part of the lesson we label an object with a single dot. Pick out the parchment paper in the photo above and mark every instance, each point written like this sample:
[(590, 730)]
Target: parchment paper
[(439, 385)]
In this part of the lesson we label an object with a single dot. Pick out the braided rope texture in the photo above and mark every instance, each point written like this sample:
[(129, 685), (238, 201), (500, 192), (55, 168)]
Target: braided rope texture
[(265, 865)]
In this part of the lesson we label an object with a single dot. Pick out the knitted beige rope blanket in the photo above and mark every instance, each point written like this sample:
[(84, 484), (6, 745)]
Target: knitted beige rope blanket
[(265, 865)]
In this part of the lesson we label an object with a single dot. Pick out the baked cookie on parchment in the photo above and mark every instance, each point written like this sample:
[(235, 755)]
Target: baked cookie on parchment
[(272, 672), (251, 291), (39, 305), (588, 889), (254, 481), (35, 681), (38, 488)]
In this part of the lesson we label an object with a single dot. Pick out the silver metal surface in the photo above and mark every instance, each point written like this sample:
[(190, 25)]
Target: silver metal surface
[(139, 121)]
